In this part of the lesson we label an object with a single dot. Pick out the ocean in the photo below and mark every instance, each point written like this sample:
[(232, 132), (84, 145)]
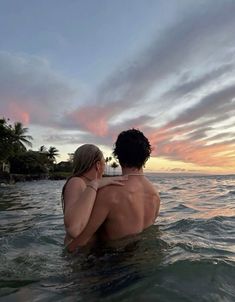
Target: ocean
[(187, 255)]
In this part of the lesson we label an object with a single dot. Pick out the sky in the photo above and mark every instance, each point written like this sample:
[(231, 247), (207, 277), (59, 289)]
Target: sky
[(78, 72)]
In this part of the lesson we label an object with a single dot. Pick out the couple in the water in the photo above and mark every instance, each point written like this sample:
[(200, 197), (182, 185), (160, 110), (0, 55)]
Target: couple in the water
[(109, 208)]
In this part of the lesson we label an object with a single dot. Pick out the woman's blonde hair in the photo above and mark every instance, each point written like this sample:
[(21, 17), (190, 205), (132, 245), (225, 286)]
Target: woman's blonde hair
[(84, 158)]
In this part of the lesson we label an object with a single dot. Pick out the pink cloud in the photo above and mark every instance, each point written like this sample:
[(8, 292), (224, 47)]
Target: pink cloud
[(18, 113), (188, 150), (91, 118), (25, 111)]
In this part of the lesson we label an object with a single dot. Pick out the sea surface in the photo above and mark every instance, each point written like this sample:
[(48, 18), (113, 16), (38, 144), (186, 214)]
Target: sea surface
[(188, 255)]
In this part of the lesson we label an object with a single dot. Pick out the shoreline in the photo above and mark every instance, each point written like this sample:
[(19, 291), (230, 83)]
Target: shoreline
[(13, 178)]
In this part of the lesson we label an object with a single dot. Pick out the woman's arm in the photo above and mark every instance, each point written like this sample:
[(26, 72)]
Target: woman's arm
[(79, 200)]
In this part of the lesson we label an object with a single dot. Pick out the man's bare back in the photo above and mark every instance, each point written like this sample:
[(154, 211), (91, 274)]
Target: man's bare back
[(120, 212), (132, 208)]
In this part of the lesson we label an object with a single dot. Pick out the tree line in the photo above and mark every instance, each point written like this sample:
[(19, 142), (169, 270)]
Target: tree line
[(14, 140), (14, 155)]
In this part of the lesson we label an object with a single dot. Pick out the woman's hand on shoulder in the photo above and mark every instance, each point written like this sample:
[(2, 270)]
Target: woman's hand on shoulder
[(106, 181)]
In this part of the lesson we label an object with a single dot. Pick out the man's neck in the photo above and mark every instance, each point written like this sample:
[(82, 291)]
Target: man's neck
[(132, 171)]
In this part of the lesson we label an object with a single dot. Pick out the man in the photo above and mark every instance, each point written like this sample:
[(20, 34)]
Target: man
[(129, 209)]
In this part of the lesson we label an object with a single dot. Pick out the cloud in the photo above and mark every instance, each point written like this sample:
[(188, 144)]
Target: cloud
[(169, 144), (91, 118), (194, 61), (188, 137), (77, 138), (217, 104), (177, 90), (196, 40), (188, 83), (30, 90)]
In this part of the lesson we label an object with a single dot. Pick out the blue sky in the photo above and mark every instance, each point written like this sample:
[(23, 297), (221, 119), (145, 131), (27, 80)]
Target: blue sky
[(82, 71)]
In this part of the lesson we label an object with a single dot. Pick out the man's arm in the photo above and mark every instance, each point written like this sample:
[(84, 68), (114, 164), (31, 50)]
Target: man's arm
[(98, 216)]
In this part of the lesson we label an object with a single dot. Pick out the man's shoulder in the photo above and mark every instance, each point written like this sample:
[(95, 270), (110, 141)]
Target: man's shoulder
[(110, 193), (111, 190)]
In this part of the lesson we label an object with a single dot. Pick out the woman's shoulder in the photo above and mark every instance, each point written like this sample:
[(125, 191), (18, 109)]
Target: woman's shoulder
[(74, 183), (76, 180)]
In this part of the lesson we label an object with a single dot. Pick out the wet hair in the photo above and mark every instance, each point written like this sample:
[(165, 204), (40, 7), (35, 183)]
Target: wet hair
[(132, 149), (84, 158)]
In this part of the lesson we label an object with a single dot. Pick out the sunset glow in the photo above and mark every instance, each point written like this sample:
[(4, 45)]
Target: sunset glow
[(167, 70)]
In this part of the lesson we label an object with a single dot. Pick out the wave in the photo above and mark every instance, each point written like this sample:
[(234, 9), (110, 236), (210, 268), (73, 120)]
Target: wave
[(176, 188), (183, 207), (214, 277), (212, 225)]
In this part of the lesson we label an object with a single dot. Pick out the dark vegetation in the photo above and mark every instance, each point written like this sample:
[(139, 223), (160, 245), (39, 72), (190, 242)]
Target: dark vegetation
[(17, 163)]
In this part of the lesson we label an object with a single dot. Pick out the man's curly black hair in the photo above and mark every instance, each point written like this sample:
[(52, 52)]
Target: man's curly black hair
[(132, 149)]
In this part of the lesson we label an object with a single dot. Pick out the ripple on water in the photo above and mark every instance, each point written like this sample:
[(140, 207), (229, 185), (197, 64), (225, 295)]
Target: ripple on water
[(187, 256), (176, 188)]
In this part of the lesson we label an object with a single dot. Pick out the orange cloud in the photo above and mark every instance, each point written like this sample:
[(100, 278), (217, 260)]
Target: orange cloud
[(168, 145)]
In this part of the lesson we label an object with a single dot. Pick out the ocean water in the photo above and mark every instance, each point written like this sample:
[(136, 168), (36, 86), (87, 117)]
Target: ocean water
[(188, 255)]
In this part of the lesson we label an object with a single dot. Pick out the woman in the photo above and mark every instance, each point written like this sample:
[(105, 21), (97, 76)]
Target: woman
[(79, 192)]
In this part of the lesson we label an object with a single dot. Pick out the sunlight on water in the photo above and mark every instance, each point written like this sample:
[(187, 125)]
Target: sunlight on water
[(188, 255)]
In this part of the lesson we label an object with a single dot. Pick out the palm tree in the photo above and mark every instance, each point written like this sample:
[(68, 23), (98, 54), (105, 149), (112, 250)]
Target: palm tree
[(107, 160), (13, 140), (114, 165), (106, 164), (52, 153), (6, 139), (42, 149), (19, 137)]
